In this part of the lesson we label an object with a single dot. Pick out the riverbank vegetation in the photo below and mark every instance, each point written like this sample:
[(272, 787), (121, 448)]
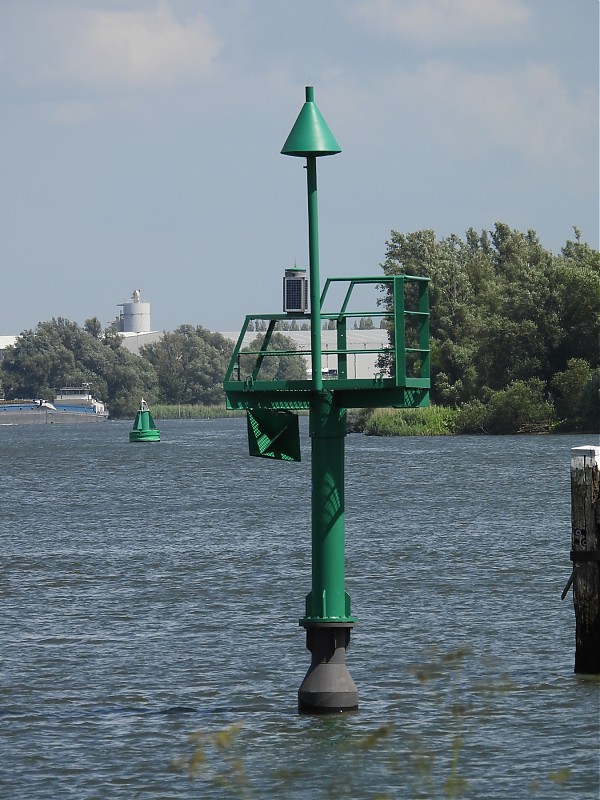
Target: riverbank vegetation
[(430, 421), (515, 330), (192, 411), (515, 333)]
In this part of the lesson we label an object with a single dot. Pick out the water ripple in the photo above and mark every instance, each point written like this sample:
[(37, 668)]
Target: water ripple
[(151, 597)]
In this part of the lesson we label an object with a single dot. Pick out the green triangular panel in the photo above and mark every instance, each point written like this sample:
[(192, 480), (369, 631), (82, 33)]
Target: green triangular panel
[(144, 421), (310, 135), (273, 434)]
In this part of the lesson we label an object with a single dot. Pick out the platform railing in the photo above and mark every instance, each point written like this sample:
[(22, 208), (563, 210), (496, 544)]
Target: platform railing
[(405, 360)]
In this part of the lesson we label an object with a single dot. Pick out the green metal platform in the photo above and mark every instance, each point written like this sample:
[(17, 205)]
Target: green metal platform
[(406, 387)]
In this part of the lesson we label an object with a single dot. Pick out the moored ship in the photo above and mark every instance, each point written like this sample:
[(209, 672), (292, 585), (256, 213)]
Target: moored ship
[(70, 405)]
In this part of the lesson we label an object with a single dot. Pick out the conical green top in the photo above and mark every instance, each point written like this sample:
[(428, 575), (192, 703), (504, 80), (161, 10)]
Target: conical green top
[(310, 135)]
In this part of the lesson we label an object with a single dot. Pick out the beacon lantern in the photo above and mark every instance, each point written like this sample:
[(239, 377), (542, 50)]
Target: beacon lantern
[(295, 291)]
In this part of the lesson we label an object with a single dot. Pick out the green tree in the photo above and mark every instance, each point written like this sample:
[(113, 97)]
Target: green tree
[(453, 322), (571, 394), (55, 354), (276, 367), (590, 403), (190, 364), (364, 324), (128, 378), (94, 327), (519, 408), (577, 291)]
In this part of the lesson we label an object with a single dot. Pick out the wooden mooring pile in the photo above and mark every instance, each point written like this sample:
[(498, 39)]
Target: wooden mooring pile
[(585, 555)]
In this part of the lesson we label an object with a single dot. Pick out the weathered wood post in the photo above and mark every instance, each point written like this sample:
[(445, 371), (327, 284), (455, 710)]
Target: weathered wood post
[(585, 555)]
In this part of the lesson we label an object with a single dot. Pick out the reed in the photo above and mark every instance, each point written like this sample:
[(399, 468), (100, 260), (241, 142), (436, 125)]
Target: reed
[(429, 762), (429, 421), (185, 411)]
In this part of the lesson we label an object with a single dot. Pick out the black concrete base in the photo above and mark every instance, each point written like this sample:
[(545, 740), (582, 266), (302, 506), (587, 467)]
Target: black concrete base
[(327, 687)]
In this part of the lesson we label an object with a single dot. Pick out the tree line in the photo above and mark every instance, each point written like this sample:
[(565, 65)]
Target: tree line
[(186, 366), (515, 333), (515, 330)]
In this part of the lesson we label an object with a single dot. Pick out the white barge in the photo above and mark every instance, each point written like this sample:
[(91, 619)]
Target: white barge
[(70, 405)]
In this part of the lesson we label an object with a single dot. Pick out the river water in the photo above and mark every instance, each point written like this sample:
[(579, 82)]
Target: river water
[(149, 638)]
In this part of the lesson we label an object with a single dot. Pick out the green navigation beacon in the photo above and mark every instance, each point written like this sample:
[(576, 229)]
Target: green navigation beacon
[(144, 429), (273, 425)]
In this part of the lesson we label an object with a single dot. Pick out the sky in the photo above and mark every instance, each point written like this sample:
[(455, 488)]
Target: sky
[(141, 143)]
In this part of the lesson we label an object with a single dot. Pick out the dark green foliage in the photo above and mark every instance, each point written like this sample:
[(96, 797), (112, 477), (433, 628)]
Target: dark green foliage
[(94, 327), (471, 417), (508, 318), (576, 393), (190, 364), (590, 403), (522, 407), (571, 395), (519, 408), (431, 421), (276, 367), (129, 378)]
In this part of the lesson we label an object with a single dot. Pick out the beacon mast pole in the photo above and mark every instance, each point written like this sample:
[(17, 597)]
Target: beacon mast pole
[(327, 686)]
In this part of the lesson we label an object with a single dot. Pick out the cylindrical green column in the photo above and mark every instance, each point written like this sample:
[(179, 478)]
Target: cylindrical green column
[(327, 686), (327, 601)]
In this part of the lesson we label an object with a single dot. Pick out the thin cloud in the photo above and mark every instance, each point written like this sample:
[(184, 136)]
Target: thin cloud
[(444, 22), (527, 112), (148, 48), (73, 113)]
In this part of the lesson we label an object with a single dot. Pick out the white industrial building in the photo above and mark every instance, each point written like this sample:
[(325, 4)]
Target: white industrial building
[(360, 365), (134, 316), (133, 323)]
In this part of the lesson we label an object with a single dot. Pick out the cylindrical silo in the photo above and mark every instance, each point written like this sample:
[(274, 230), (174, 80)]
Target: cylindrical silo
[(136, 315)]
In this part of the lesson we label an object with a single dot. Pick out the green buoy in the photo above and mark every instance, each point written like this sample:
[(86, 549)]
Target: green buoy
[(144, 429)]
